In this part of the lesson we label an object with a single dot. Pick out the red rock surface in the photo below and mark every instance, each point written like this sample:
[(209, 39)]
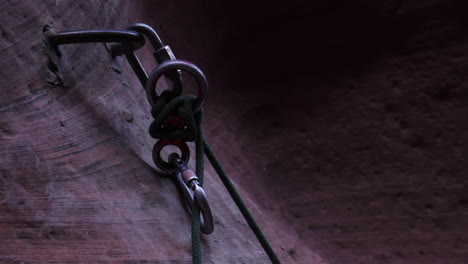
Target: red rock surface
[(343, 124)]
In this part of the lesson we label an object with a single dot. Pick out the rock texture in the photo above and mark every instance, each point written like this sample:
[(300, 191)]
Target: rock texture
[(343, 124), (76, 179)]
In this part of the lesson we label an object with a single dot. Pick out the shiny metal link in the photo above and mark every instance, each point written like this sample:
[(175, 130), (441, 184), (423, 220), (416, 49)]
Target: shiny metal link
[(193, 192), (161, 53)]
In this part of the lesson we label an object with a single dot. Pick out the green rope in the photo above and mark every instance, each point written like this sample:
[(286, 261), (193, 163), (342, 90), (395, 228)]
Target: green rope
[(168, 104), (199, 169), (240, 204)]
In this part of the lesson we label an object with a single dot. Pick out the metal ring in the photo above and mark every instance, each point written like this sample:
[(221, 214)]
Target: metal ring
[(191, 68), (166, 166)]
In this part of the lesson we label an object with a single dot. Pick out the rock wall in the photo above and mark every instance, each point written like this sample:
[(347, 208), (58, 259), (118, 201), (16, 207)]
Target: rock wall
[(77, 181), (343, 124)]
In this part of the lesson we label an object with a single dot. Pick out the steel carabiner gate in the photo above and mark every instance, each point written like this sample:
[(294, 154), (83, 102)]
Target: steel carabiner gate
[(161, 53), (193, 192)]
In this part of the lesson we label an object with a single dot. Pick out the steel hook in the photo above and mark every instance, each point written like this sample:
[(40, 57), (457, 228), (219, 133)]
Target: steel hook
[(134, 39)]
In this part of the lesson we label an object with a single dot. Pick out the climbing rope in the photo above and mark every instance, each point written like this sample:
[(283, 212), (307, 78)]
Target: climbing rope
[(184, 110), (177, 120), (240, 203)]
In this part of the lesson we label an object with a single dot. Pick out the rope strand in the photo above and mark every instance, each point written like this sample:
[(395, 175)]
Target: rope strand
[(199, 169), (240, 204), (182, 105)]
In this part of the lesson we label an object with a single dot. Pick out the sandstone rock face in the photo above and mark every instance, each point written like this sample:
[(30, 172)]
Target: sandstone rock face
[(77, 183), (344, 125)]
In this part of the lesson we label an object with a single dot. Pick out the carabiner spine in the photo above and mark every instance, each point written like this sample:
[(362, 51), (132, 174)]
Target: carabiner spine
[(194, 193)]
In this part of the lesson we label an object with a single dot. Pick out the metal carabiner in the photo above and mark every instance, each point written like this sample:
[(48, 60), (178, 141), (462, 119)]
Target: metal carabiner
[(188, 183), (162, 53), (118, 49)]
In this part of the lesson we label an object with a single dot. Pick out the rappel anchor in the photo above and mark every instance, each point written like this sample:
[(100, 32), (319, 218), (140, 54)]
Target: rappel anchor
[(177, 121)]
